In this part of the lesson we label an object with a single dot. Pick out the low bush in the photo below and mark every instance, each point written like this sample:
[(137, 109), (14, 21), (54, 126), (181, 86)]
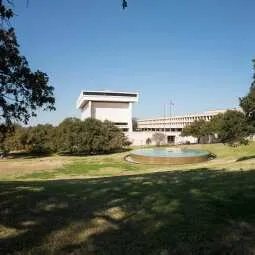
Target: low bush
[(72, 136)]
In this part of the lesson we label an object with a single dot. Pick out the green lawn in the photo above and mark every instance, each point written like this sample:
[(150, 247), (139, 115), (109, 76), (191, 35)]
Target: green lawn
[(194, 209), (25, 168)]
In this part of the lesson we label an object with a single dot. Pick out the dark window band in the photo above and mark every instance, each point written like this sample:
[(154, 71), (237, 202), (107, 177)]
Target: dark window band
[(90, 93), (120, 123)]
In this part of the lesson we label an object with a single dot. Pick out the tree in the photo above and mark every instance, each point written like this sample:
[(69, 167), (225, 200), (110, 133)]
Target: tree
[(216, 123), (198, 129), (91, 136), (248, 102), (116, 139), (148, 141), (12, 138), (39, 139), (22, 91), (159, 138), (95, 137), (134, 124), (124, 4), (4, 135), (69, 135), (232, 127)]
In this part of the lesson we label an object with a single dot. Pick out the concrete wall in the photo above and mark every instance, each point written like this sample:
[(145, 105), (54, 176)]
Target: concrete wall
[(108, 105), (115, 112), (139, 138), (86, 111), (83, 99)]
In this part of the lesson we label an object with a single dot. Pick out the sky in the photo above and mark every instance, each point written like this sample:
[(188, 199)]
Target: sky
[(195, 53)]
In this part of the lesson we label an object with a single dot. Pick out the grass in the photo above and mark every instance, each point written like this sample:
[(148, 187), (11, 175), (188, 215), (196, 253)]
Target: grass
[(130, 209), (66, 167)]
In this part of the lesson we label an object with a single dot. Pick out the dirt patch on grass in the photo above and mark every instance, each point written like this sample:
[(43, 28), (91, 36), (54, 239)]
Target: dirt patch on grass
[(28, 166)]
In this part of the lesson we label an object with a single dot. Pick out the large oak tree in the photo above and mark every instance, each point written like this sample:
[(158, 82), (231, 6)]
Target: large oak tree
[(22, 91)]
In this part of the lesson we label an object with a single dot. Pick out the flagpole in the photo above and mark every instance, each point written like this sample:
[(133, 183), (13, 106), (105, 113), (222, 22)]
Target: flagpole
[(170, 112), (170, 108), (164, 119)]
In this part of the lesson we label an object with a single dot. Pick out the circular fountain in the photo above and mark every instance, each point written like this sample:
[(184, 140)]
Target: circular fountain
[(169, 156)]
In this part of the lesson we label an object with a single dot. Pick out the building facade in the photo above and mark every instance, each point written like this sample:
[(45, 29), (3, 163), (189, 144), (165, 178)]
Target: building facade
[(171, 127), (117, 108), (175, 123), (108, 105)]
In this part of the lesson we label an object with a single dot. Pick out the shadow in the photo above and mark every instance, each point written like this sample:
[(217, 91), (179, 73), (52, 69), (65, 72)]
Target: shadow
[(27, 155), (95, 154), (30, 155), (245, 158), (199, 211)]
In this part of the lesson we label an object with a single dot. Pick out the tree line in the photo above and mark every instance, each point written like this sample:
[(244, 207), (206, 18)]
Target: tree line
[(72, 136), (230, 128)]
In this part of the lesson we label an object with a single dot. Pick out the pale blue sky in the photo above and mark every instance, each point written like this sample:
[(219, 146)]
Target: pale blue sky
[(197, 53)]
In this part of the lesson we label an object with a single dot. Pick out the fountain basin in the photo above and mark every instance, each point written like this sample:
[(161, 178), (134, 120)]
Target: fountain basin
[(169, 156)]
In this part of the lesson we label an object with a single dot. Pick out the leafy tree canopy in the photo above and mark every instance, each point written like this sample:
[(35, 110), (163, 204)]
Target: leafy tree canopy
[(124, 4), (248, 102), (233, 127), (134, 124), (39, 139), (91, 136), (22, 91), (158, 138), (198, 129), (71, 136)]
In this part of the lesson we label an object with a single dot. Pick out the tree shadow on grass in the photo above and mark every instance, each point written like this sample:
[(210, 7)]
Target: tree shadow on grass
[(245, 158), (27, 155), (34, 155), (84, 154), (180, 212)]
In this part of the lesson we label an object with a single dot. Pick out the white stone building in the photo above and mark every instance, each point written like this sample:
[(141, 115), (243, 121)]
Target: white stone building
[(117, 107), (170, 126), (108, 105)]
